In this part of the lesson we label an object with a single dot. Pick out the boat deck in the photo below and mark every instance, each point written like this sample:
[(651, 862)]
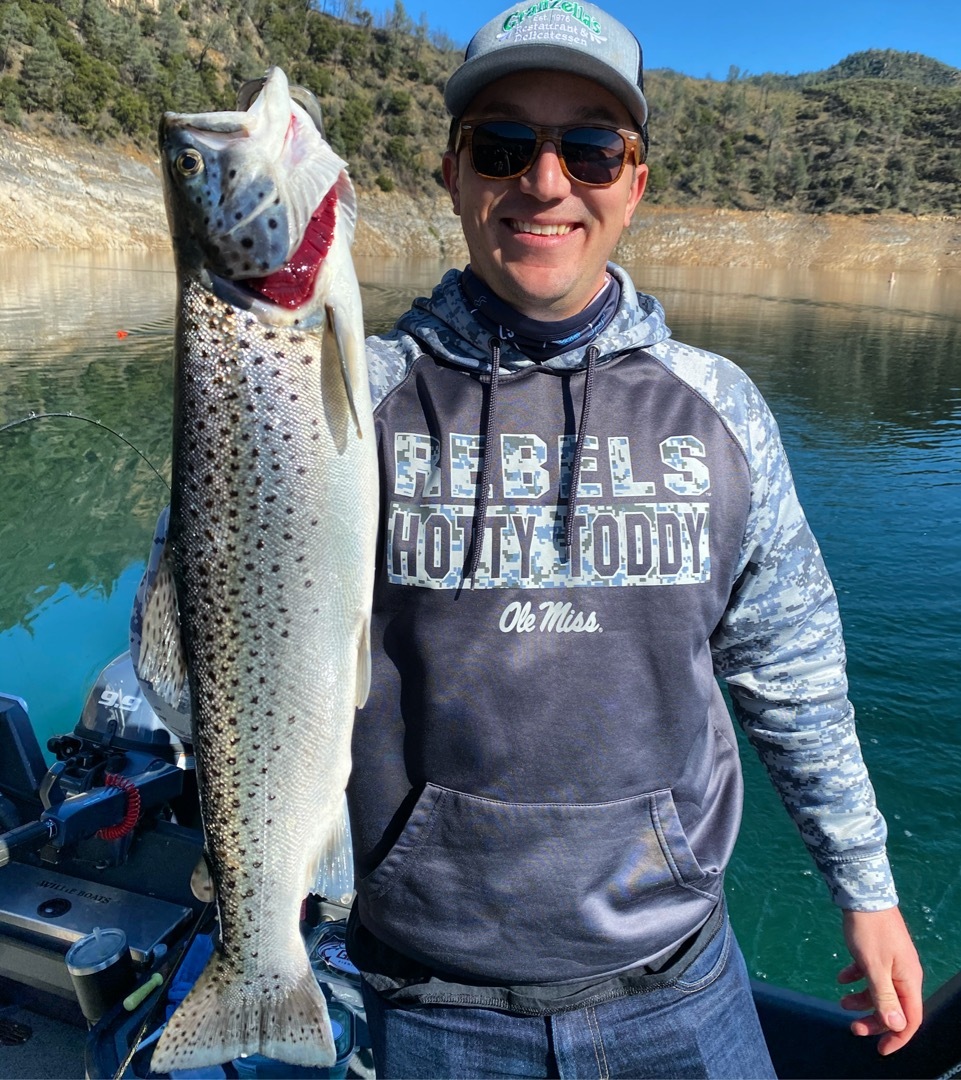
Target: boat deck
[(39, 1038)]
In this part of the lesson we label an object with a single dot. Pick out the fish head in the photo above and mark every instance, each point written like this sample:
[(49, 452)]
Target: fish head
[(256, 199)]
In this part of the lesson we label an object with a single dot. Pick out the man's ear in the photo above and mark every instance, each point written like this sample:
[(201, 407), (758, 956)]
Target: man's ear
[(638, 185), (448, 168)]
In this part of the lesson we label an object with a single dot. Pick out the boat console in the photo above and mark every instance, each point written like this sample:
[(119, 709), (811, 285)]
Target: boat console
[(107, 835)]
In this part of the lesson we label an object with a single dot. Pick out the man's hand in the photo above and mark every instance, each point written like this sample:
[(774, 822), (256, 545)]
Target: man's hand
[(885, 956)]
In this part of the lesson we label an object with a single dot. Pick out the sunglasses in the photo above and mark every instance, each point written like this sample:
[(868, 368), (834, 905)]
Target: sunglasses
[(589, 154)]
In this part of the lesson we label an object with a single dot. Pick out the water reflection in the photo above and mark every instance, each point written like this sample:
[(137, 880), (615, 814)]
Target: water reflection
[(860, 350), (846, 360), (53, 300)]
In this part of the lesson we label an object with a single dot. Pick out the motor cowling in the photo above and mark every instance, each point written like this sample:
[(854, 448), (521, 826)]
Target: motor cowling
[(119, 712)]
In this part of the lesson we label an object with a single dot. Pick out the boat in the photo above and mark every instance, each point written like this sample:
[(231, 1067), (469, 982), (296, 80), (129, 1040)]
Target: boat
[(101, 933)]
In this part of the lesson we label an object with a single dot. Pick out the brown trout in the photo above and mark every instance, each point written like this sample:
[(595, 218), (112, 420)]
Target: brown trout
[(263, 592)]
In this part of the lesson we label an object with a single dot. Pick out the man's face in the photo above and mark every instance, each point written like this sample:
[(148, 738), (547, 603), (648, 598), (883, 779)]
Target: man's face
[(542, 241)]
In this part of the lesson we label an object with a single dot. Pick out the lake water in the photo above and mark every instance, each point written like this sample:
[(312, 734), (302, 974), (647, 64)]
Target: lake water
[(864, 375)]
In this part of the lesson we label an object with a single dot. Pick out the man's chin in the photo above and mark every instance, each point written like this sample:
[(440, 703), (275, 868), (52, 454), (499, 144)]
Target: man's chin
[(545, 294)]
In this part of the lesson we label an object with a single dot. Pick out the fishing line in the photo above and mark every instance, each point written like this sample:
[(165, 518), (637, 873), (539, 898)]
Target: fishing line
[(96, 423)]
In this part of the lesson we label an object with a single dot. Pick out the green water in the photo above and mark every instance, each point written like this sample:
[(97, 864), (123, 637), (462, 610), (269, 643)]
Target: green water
[(864, 375)]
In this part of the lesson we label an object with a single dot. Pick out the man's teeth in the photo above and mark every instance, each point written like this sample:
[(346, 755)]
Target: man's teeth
[(541, 230)]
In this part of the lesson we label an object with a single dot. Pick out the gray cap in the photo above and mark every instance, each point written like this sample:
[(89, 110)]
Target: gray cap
[(555, 35)]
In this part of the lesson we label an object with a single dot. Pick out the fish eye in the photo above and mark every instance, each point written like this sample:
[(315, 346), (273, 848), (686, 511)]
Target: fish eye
[(189, 163)]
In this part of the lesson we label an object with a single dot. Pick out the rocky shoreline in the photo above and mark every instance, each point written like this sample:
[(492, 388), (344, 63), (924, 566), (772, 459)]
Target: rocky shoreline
[(65, 195)]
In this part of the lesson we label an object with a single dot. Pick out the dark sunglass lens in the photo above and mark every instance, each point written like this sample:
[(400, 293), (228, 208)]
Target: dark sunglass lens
[(501, 149), (593, 155)]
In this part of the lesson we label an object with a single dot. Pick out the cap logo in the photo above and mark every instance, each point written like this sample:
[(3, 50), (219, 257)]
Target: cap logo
[(570, 8)]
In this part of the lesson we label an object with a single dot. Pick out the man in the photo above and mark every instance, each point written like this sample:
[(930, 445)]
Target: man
[(584, 523)]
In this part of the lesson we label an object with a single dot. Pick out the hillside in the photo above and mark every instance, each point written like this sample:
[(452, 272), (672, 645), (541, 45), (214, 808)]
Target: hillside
[(878, 134), (877, 64), (55, 194)]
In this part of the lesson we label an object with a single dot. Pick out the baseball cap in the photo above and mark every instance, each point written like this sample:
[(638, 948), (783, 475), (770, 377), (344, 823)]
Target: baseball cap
[(557, 35)]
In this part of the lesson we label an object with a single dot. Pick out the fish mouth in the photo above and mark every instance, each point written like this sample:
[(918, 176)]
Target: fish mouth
[(291, 287)]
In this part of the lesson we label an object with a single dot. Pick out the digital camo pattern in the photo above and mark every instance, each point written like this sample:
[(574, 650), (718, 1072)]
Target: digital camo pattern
[(443, 326), (779, 646), (781, 651)]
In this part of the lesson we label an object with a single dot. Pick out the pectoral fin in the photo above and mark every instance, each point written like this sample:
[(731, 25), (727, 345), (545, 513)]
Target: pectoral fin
[(338, 332)]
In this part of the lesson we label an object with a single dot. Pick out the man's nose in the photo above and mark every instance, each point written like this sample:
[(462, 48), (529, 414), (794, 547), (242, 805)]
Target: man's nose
[(545, 179)]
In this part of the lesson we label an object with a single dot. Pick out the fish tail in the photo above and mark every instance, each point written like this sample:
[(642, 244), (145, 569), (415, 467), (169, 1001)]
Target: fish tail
[(227, 1016)]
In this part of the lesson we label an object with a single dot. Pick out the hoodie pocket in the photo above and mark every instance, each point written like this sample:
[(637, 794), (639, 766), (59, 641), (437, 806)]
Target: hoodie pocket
[(537, 891)]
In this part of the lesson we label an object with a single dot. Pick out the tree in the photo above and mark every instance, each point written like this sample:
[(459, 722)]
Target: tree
[(42, 73), (171, 38), (399, 22), (14, 30)]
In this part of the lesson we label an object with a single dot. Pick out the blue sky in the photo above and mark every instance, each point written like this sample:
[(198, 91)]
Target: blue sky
[(701, 38)]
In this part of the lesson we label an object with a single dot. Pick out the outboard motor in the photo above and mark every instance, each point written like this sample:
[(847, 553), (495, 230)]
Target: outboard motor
[(120, 764), (118, 713)]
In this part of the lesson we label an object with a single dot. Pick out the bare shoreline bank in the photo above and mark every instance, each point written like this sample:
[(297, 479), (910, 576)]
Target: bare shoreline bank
[(56, 195)]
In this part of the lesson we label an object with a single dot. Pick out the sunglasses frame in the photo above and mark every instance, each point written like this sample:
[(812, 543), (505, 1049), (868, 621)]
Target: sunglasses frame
[(554, 135)]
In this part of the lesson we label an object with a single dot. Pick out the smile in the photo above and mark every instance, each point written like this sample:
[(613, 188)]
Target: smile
[(540, 230)]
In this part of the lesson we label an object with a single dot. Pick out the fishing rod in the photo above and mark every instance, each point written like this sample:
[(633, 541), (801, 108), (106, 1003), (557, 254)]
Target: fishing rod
[(88, 420)]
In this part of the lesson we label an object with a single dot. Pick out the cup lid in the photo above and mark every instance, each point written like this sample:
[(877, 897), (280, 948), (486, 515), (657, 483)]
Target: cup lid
[(96, 951)]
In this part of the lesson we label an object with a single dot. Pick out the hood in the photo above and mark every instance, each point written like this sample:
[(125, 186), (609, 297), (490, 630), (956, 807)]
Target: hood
[(443, 325)]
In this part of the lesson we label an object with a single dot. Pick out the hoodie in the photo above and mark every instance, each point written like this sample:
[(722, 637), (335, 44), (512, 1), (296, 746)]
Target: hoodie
[(574, 553)]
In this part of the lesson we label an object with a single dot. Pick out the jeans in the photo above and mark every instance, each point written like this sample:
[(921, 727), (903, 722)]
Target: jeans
[(702, 1024)]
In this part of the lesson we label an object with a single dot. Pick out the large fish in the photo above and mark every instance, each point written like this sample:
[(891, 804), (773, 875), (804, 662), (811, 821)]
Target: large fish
[(263, 591)]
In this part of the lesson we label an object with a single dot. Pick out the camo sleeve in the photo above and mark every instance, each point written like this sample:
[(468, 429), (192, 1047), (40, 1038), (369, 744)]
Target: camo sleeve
[(389, 358), (780, 650)]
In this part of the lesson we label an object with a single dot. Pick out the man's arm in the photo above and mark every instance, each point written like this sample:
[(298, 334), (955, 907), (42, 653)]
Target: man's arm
[(780, 649)]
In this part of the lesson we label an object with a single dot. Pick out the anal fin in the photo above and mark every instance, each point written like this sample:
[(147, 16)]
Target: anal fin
[(163, 662)]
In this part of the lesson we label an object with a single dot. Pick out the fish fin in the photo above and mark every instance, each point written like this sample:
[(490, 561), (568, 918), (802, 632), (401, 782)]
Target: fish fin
[(337, 331), (332, 875), (228, 1014), (163, 662), (363, 665), (346, 208), (201, 882)]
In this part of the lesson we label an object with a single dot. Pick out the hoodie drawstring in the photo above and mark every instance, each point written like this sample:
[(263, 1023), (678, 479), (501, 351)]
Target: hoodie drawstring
[(592, 354), (487, 458)]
